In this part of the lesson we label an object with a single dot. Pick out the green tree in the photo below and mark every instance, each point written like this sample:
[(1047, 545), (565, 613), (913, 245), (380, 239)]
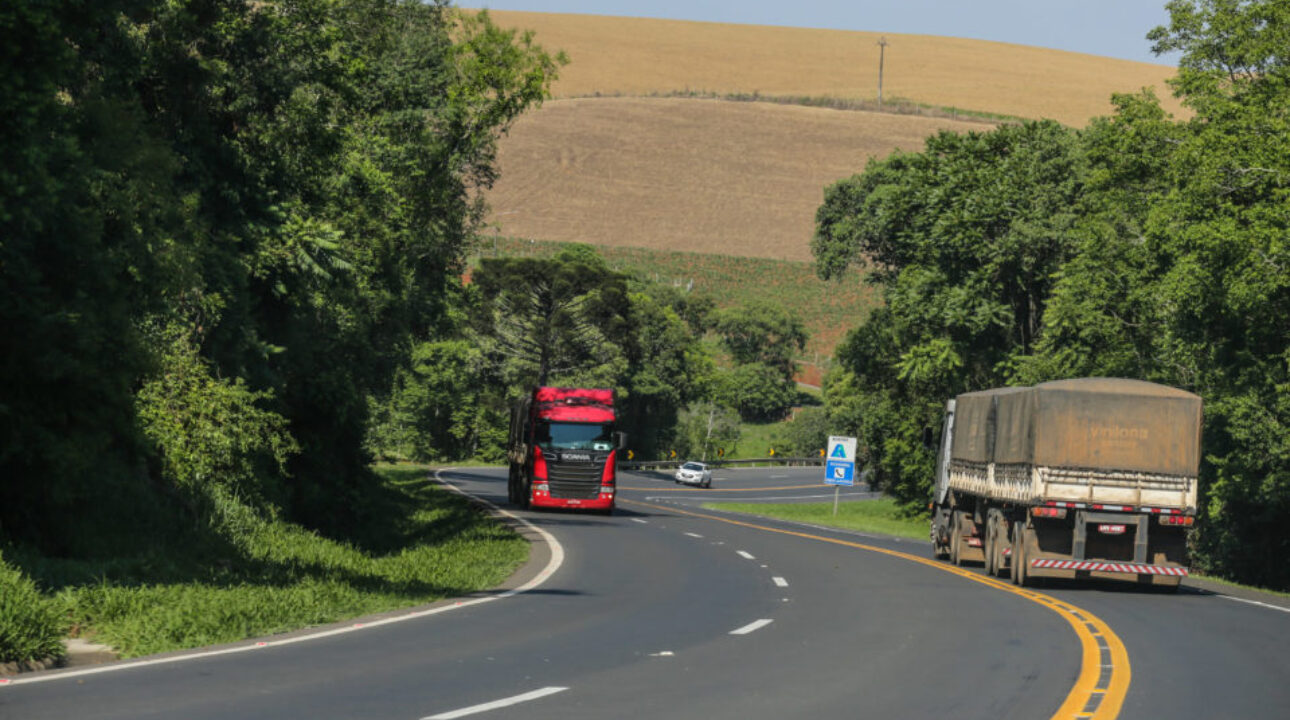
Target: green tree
[(759, 392), (561, 319), (667, 366), (292, 185), (761, 332), (1219, 235), (964, 238), (703, 427), (808, 432)]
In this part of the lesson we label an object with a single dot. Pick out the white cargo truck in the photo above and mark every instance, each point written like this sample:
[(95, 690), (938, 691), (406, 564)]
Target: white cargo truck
[(1092, 477)]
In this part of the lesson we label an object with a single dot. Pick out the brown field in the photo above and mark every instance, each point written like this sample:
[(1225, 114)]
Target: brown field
[(618, 160), (638, 56), (736, 178)]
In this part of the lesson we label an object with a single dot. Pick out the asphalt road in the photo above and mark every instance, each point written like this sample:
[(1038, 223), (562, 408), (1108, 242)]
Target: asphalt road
[(666, 610)]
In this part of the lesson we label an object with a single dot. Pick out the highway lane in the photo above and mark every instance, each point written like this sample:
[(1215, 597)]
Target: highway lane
[(638, 620), (1208, 651)]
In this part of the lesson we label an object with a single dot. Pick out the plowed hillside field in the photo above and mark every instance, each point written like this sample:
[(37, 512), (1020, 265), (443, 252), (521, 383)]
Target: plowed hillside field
[(708, 176), (634, 168), (639, 56)]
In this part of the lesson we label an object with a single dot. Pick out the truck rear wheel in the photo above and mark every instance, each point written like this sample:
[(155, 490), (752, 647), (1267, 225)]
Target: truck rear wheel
[(988, 545), (956, 537), (1001, 544), (1021, 557)]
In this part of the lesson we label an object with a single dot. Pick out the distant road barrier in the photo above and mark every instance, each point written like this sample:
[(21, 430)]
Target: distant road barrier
[(752, 462)]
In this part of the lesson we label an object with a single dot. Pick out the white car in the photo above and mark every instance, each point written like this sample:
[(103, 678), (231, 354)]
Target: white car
[(694, 473)]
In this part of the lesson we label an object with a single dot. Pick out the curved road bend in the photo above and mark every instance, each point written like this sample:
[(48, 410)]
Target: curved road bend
[(659, 613)]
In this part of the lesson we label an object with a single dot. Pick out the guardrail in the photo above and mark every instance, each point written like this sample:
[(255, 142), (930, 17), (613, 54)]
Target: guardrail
[(752, 462)]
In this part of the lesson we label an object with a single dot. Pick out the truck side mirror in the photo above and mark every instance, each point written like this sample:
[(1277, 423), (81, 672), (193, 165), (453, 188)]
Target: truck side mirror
[(620, 440)]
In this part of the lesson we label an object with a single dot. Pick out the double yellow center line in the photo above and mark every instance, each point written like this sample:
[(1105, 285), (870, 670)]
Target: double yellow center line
[(1105, 673)]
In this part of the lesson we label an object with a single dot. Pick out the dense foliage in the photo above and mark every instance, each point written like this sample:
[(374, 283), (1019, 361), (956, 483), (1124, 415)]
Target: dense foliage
[(763, 339), (224, 229), (30, 624), (1143, 246)]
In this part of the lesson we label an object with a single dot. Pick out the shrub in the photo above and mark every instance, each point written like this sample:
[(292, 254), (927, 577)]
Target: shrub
[(30, 626)]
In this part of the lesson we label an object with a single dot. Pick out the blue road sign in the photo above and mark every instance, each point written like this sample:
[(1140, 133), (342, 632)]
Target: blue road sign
[(840, 467), (837, 472)]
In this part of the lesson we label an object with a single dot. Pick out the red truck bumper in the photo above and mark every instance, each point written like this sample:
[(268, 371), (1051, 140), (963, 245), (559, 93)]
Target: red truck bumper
[(604, 501)]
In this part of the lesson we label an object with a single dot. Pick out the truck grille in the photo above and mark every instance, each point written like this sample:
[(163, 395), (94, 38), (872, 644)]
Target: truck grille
[(576, 481)]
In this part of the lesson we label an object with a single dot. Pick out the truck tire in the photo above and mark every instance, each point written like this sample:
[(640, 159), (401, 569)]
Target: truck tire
[(525, 490), (1001, 565), (1018, 555), (1021, 557), (956, 537), (987, 549)]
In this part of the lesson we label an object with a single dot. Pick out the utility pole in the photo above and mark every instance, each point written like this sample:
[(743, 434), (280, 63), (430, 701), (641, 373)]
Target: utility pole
[(882, 52)]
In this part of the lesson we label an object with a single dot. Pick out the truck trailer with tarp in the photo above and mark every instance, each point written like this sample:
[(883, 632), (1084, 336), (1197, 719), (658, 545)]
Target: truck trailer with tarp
[(1090, 477)]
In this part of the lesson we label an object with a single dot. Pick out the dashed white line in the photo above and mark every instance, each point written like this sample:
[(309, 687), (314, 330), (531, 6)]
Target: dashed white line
[(781, 582), (746, 555), (496, 704), (751, 627), (638, 520), (695, 535)]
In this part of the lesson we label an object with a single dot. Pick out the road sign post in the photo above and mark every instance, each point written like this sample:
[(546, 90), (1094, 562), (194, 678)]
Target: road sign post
[(840, 465)]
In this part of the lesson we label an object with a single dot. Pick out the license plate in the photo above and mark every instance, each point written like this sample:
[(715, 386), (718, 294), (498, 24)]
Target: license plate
[(1111, 529)]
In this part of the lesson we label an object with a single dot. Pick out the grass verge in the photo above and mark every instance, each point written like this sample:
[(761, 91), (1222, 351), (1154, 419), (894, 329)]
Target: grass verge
[(423, 543), (880, 516)]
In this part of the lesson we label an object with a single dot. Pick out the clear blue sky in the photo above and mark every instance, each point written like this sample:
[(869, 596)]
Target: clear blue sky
[(1114, 28)]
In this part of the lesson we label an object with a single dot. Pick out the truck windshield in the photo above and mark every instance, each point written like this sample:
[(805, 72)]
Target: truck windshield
[(575, 436)]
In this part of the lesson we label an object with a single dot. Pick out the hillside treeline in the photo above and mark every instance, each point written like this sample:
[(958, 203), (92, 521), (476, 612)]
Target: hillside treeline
[(224, 227), (1141, 246), (571, 320)]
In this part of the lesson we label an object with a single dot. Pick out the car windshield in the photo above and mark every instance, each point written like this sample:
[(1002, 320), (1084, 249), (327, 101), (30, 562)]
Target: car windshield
[(692, 466), (575, 436)]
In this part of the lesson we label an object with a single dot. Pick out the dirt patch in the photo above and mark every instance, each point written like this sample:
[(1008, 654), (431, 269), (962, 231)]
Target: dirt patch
[(706, 176)]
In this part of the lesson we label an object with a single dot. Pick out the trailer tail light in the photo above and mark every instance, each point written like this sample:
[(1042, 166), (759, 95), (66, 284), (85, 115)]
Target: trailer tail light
[(1180, 520), (1048, 512), (539, 464)]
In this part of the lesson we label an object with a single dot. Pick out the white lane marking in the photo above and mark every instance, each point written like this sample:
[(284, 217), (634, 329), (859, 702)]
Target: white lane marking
[(746, 555), (752, 626), (497, 704), (665, 653), (557, 559), (1256, 602), (638, 520), (695, 535), (780, 581)]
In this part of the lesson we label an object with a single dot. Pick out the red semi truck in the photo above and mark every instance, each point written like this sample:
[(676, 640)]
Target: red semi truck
[(563, 449)]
